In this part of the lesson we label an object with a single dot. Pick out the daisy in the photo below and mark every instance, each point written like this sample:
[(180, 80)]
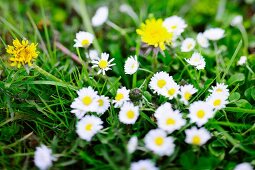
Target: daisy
[(170, 121), (85, 102), (100, 16), (175, 25), (161, 109), (244, 166), (200, 112), (43, 157), (132, 144), (197, 60), (103, 103), (131, 65), (153, 33), (88, 126), (188, 44), (197, 136), (186, 92), (220, 88), (242, 60), (83, 39), (93, 54), (122, 96), (143, 165), (237, 20), (128, 113), (202, 40), (102, 63), (157, 141), (217, 101), (214, 34), (171, 90), (159, 81)]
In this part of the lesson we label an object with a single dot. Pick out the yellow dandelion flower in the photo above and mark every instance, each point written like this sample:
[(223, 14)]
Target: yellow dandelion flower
[(22, 52), (154, 33)]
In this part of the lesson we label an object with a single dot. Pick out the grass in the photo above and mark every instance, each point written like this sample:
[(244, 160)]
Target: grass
[(35, 101)]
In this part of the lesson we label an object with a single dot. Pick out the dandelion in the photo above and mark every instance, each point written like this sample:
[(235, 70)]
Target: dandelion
[(132, 144), (175, 25), (217, 101), (143, 165), (159, 81), (214, 34), (83, 39), (131, 65), (22, 53), (237, 20), (197, 60), (188, 44), (161, 109), (157, 141), (43, 157), (128, 113), (197, 136), (121, 97), (103, 103), (242, 60), (153, 33), (186, 93), (200, 112), (220, 88), (243, 166), (88, 126), (202, 40), (102, 63), (100, 16), (171, 90)]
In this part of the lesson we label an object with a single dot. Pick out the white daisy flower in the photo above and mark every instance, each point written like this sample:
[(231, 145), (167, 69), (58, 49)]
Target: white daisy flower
[(159, 81), (43, 157), (200, 112), (175, 25), (202, 40), (83, 39), (186, 92), (220, 88), (102, 63), (170, 120), (157, 141), (171, 90), (88, 126), (217, 101), (188, 44), (244, 166), (214, 34), (143, 165), (237, 20), (93, 54), (100, 16), (197, 136), (242, 60), (197, 60), (132, 144), (122, 96), (128, 113), (161, 109), (85, 102), (103, 103), (131, 65)]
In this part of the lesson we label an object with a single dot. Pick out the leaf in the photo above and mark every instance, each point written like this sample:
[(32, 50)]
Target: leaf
[(243, 104), (234, 97), (238, 77), (187, 159)]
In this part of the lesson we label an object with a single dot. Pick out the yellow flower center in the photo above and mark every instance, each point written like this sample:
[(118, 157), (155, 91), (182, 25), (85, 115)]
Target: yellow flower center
[(159, 141), (119, 96), (196, 140), (200, 114), (171, 91), (217, 102), (103, 64), (85, 42), (161, 83), (219, 90), (170, 121), (88, 127), (187, 95), (189, 47), (174, 27), (100, 102), (87, 100), (130, 114)]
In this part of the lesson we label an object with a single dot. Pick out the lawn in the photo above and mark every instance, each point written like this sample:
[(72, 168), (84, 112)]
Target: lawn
[(127, 84)]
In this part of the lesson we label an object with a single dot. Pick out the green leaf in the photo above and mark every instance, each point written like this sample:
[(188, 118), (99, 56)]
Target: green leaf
[(234, 97), (243, 104), (187, 159), (238, 77)]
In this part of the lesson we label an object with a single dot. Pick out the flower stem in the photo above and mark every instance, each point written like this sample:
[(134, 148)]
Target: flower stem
[(46, 74), (134, 80)]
